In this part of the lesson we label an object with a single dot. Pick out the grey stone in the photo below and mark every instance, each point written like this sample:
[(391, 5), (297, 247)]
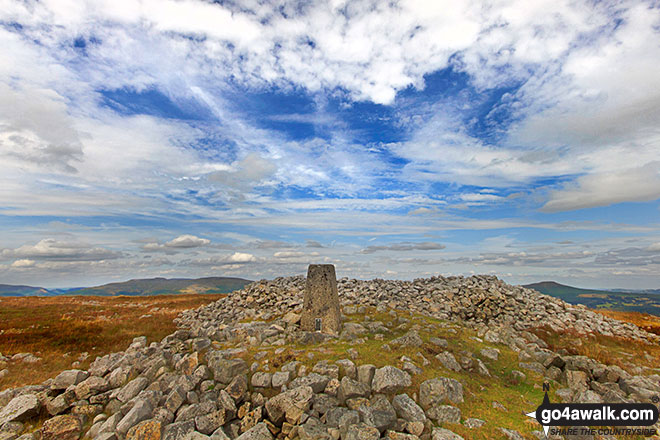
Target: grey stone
[(361, 431), (19, 409), (209, 423), (261, 379), (390, 380), (444, 434), (314, 380), (280, 378), (347, 368), (366, 373), (448, 361), (132, 389), (290, 405), (410, 339), (492, 354), (437, 391), (321, 302), (141, 411), (444, 413), (178, 431), (407, 409), (67, 378), (91, 386), (349, 389), (258, 432), (473, 423)]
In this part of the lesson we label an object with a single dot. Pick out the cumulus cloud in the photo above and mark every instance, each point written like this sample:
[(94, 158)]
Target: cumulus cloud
[(181, 242), (404, 246), (52, 249), (288, 254), (638, 184), (235, 258), (23, 263)]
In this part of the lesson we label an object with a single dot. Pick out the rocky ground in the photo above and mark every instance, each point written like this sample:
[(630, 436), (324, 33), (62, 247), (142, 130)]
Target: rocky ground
[(439, 358)]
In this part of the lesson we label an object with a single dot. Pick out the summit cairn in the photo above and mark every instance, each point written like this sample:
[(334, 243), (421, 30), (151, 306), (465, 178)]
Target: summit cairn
[(321, 311)]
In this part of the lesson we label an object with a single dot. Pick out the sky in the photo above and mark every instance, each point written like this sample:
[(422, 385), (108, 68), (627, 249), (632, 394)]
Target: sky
[(402, 139)]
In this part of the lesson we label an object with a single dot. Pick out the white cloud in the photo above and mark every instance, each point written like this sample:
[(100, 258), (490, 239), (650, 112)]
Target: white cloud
[(629, 185), (52, 249), (23, 263), (187, 241), (404, 246), (288, 254)]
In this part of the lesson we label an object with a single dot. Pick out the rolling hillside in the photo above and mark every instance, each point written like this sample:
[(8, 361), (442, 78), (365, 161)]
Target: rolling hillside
[(601, 299), (140, 287), (11, 290)]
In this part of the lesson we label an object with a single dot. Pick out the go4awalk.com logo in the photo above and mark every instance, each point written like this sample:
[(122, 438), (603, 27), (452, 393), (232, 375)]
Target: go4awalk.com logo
[(596, 418)]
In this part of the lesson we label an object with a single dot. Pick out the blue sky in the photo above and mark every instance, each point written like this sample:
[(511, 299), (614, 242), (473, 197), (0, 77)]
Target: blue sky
[(185, 138)]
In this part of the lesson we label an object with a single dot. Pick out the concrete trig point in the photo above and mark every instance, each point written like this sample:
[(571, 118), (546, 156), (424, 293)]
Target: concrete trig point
[(321, 311)]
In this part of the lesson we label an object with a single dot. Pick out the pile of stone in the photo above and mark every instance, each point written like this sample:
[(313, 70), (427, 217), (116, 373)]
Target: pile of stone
[(183, 388), (476, 300), (191, 386)]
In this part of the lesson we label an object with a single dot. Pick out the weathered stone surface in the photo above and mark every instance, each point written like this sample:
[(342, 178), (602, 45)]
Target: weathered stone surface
[(258, 432), (390, 380), (407, 409), (64, 427), (437, 391), (20, 408), (90, 386), (225, 370), (238, 388), (448, 361), (410, 339), (361, 431), (67, 378), (280, 378), (366, 373), (321, 304), (141, 411), (146, 430), (179, 430), (209, 423), (444, 434), (349, 389), (473, 423), (262, 379), (290, 405), (132, 389), (444, 413), (314, 380)]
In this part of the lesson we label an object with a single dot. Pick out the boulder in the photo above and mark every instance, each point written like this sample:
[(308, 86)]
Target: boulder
[(65, 427), (259, 432), (437, 391), (19, 409), (146, 430), (444, 434), (407, 409), (390, 380), (290, 405)]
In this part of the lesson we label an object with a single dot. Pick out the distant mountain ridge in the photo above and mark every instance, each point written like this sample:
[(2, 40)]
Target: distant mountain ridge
[(645, 301), (137, 287)]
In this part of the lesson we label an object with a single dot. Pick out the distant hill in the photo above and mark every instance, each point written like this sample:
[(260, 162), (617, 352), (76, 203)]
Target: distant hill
[(645, 301), (10, 290), (141, 287)]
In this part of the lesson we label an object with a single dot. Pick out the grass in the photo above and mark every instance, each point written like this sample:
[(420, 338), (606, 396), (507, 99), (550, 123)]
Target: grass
[(479, 392), (60, 329)]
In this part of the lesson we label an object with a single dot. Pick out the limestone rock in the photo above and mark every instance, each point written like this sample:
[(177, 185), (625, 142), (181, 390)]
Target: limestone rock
[(20, 408), (390, 380), (65, 427)]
